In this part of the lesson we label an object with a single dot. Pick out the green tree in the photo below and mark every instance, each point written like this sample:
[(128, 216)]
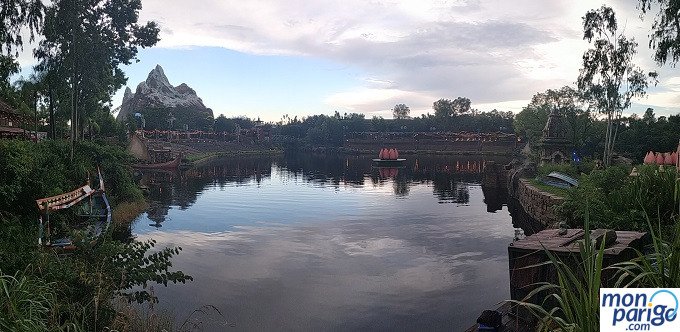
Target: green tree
[(461, 105), (401, 111), (378, 123), (85, 43), (609, 79), (443, 108), (15, 17), (665, 36), (446, 108)]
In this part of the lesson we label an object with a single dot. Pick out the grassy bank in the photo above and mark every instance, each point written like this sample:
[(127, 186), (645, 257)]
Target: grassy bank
[(197, 159), (562, 192), (126, 212)]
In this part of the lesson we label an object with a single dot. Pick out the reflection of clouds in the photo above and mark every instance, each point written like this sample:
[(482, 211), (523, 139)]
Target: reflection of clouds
[(298, 254), (367, 273), (372, 247)]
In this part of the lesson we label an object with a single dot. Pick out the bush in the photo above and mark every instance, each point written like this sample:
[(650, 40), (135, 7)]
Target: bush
[(621, 202), (76, 292), (31, 171), (571, 169)]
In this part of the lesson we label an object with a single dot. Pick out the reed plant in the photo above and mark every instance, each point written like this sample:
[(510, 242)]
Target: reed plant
[(572, 304), (29, 304), (657, 266)]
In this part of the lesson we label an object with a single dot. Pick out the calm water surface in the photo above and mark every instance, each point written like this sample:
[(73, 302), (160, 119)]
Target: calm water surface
[(318, 243)]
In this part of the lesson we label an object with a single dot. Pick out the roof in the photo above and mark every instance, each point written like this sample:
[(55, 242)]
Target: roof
[(10, 130), (564, 178), (7, 111)]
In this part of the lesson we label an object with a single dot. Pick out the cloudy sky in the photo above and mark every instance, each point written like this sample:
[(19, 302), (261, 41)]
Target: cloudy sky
[(299, 57)]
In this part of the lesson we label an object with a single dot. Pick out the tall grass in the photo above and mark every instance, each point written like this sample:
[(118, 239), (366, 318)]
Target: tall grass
[(656, 267), (573, 303), (125, 212), (29, 305)]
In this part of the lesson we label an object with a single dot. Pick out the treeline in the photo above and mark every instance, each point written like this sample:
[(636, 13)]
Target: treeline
[(330, 130), (586, 130)]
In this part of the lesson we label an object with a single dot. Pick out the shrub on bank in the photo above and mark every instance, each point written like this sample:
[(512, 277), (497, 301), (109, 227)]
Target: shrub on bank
[(622, 202), (572, 169), (30, 171)]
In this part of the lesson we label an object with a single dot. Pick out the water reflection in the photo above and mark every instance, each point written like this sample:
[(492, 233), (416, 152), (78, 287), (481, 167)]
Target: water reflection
[(450, 177), (316, 242)]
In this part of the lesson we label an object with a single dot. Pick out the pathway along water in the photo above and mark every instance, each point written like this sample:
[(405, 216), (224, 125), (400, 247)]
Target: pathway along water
[(328, 243)]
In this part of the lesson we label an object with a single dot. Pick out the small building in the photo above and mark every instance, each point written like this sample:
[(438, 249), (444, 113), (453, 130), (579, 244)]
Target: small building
[(554, 145), (10, 122)]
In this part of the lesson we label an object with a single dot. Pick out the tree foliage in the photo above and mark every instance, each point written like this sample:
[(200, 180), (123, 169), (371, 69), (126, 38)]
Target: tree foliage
[(16, 16), (445, 108), (578, 121), (665, 36), (608, 79), (401, 111), (85, 43)]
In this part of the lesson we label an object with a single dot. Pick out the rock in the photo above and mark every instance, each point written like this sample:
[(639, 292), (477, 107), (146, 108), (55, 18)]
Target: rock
[(157, 93), (621, 160)]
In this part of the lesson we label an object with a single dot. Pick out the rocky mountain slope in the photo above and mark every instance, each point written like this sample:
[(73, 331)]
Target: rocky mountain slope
[(157, 98)]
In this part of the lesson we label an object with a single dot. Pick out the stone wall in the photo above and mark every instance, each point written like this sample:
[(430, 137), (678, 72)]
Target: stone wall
[(138, 148), (537, 204), (495, 175)]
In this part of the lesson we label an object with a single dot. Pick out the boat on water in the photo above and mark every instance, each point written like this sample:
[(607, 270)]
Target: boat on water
[(92, 217), (388, 158), (174, 163)]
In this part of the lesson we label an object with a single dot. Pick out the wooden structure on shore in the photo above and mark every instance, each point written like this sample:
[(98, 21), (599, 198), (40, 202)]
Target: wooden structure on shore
[(11, 121), (526, 255)]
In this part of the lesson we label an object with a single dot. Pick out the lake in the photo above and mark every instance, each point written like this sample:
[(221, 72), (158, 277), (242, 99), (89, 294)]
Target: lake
[(302, 242)]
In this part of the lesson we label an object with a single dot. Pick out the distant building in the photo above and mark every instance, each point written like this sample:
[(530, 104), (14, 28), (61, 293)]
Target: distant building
[(554, 145), (10, 121)]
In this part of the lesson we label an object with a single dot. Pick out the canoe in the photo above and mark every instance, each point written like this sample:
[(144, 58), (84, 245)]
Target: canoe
[(93, 219), (168, 164)]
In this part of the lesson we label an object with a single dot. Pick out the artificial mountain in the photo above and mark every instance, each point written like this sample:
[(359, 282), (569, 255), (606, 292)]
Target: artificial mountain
[(156, 99)]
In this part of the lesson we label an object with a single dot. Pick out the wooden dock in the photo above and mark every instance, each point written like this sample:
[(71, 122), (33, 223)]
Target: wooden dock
[(525, 256)]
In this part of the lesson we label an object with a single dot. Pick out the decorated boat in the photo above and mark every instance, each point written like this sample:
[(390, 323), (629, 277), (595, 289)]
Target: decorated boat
[(91, 212), (174, 163), (388, 158)]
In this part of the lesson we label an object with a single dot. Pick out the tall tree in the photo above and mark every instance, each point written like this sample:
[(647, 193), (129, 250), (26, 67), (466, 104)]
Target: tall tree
[(446, 108), (609, 79), (665, 36), (85, 43), (531, 120), (443, 108), (461, 105), (401, 111)]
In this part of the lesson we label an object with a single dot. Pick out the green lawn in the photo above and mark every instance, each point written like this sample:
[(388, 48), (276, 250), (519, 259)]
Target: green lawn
[(559, 191)]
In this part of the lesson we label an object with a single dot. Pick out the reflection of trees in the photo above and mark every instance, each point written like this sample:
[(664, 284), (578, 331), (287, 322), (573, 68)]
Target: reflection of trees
[(494, 198), (449, 190), (181, 188), (450, 176), (325, 169)]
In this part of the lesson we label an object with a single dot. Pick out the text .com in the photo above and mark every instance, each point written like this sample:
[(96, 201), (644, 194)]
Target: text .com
[(639, 309)]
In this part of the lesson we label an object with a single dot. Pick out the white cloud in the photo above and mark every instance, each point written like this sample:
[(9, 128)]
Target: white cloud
[(497, 53)]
